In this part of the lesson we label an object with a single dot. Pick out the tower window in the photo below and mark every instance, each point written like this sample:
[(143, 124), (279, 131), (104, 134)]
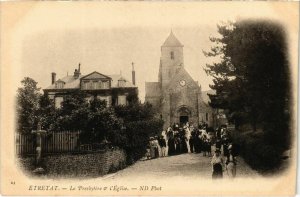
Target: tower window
[(172, 55)]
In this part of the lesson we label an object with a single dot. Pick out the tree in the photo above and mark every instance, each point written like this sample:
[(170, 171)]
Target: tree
[(47, 112), (139, 123), (27, 105), (135, 111), (73, 114), (252, 78), (93, 118)]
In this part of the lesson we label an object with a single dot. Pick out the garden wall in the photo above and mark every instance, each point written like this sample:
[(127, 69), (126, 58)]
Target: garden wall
[(80, 165)]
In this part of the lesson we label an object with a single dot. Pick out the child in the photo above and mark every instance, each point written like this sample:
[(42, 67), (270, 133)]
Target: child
[(231, 163), (217, 165), (148, 152)]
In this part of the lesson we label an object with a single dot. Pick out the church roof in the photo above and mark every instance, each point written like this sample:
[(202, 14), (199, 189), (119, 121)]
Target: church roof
[(180, 74), (172, 41)]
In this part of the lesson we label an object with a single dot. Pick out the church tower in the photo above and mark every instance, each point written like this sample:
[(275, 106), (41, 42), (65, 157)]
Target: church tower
[(171, 59), (176, 96)]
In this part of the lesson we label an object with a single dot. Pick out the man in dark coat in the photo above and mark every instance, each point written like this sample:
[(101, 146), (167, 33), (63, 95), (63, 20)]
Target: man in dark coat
[(171, 146)]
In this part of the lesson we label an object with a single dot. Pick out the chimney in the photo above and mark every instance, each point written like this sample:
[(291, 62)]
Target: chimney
[(53, 78), (76, 74), (79, 69), (133, 74)]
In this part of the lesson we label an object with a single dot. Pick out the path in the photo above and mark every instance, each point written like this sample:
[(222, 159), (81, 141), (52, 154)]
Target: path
[(187, 165)]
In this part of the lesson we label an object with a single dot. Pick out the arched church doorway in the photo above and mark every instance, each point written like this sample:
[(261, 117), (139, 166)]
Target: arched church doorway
[(184, 114)]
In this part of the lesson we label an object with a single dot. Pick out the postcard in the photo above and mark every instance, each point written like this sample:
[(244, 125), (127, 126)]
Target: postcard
[(149, 97)]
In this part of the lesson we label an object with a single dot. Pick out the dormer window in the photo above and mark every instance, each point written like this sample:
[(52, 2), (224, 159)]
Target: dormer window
[(59, 84), (172, 55), (121, 83)]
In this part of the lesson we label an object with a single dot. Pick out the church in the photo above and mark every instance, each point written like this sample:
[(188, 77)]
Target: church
[(177, 97)]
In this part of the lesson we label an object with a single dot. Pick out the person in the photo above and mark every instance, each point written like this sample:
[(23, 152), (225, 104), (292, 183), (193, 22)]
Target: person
[(162, 144), (152, 148), (177, 144), (209, 146), (184, 148), (225, 146), (188, 134), (230, 163), (176, 128), (148, 155), (205, 145), (164, 134), (170, 133), (218, 143), (191, 143), (156, 147), (171, 145), (217, 165), (198, 142)]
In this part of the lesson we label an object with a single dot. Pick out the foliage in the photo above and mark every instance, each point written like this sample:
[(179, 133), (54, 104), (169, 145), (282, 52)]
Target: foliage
[(135, 135), (259, 155), (135, 111), (27, 105), (252, 78), (139, 124), (128, 127), (46, 112), (93, 118)]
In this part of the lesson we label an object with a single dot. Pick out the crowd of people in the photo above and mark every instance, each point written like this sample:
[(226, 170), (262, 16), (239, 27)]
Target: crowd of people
[(180, 139)]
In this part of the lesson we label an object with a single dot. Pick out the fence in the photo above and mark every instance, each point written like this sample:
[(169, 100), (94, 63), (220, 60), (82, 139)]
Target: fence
[(52, 142)]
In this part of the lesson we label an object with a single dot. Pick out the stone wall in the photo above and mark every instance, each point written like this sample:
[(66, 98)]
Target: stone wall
[(79, 165)]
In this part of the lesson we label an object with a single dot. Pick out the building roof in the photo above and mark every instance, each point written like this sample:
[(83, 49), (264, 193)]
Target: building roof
[(180, 74), (74, 83), (172, 41), (116, 78), (152, 89), (95, 75), (70, 83)]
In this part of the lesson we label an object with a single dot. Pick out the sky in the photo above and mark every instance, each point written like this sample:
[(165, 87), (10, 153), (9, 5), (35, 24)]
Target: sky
[(111, 51), (108, 37)]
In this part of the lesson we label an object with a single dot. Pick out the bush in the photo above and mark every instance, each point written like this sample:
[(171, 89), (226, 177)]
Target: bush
[(135, 137), (259, 155)]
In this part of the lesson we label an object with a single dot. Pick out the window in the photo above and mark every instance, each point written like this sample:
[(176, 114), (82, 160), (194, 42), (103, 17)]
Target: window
[(122, 100), (51, 96), (85, 85), (121, 83), (96, 85), (206, 117), (172, 55), (58, 101), (105, 85), (105, 98), (89, 99), (59, 85)]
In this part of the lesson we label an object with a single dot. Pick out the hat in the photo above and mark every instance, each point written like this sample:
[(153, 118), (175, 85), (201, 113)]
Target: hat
[(217, 150)]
